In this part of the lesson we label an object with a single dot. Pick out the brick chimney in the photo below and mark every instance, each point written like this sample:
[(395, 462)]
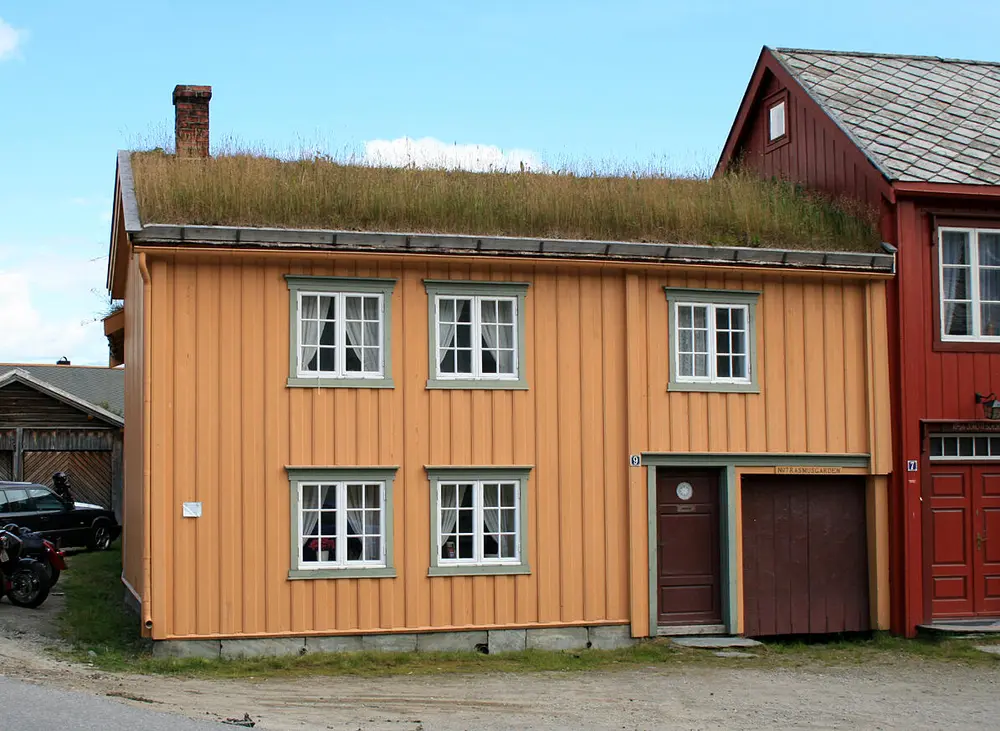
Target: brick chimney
[(191, 120)]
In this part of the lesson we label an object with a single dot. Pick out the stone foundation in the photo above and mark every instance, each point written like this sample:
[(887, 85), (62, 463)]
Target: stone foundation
[(493, 641)]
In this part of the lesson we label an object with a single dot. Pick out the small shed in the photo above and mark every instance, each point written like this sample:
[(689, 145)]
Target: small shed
[(62, 419)]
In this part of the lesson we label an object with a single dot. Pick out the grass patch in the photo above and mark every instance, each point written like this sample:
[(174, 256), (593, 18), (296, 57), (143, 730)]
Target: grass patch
[(95, 619), (245, 189), (101, 631)]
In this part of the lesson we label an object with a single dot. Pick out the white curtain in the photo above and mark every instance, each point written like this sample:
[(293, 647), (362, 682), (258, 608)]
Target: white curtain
[(310, 516), (446, 330), (451, 499), (491, 503), (352, 313), (310, 332), (488, 323), (355, 509)]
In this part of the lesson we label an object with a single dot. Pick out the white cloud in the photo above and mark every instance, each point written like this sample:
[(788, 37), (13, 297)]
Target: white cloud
[(48, 308), (10, 40), (428, 152)]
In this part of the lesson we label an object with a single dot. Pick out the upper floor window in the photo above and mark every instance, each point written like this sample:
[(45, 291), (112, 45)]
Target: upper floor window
[(340, 332), (477, 334), (969, 261), (713, 340), (776, 121)]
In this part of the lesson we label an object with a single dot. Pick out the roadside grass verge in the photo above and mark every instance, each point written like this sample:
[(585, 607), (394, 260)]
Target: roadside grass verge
[(99, 630)]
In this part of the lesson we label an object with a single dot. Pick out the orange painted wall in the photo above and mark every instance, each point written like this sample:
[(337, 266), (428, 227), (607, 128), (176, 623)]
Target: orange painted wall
[(132, 512), (224, 426)]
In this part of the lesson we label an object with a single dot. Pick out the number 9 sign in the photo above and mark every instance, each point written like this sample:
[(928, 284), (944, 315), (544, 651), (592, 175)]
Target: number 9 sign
[(635, 460)]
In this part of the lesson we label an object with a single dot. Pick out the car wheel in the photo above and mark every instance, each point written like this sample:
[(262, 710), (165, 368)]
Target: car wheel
[(100, 536)]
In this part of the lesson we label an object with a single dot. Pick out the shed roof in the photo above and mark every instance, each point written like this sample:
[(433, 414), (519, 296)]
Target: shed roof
[(918, 118), (101, 387)]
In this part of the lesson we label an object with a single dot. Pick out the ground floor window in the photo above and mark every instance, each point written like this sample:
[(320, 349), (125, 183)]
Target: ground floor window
[(342, 521), (478, 520)]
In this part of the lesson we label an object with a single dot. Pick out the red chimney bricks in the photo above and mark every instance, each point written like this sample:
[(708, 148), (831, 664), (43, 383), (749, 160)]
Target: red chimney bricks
[(191, 120)]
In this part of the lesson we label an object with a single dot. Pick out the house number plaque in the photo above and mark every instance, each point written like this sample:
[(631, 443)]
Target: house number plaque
[(685, 491)]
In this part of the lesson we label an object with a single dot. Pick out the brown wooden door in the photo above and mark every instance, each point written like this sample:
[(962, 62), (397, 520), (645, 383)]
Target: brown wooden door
[(805, 556), (6, 464), (963, 542), (689, 574)]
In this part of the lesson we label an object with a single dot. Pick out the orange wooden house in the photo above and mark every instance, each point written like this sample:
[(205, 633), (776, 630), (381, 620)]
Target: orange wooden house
[(345, 440)]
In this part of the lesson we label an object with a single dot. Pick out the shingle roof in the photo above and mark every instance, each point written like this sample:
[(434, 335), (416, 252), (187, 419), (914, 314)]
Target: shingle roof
[(919, 118), (103, 387)]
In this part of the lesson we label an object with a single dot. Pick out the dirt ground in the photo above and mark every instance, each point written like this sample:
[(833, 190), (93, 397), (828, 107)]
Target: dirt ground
[(924, 695)]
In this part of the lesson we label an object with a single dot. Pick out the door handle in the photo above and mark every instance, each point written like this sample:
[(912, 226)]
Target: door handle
[(980, 540)]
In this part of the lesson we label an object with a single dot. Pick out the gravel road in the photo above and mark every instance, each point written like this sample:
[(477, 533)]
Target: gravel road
[(897, 694)]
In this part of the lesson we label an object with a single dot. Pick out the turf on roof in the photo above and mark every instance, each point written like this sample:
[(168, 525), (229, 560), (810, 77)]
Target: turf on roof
[(736, 210)]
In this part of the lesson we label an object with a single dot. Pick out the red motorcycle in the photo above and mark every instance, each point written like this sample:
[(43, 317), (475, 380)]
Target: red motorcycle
[(42, 550)]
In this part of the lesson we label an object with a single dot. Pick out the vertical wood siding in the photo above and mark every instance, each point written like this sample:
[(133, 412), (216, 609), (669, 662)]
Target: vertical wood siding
[(133, 509), (224, 426), (818, 153)]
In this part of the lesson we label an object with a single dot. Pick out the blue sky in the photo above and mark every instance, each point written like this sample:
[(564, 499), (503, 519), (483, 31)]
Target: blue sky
[(580, 81)]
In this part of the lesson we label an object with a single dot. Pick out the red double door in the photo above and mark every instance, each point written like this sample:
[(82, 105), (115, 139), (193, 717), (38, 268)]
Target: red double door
[(962, 540)]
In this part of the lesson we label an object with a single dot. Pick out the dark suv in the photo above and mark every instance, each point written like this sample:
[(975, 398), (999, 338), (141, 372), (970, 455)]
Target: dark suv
[(64, 523)]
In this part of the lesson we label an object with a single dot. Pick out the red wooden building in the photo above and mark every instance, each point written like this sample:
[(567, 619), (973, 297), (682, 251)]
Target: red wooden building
[(919, 139)]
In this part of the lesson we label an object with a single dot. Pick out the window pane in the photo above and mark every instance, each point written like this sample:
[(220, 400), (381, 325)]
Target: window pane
[(328, 494), (310, 522), (989, 285), (371, 360), (310, 307), (964, 447), (739, 366), (328, 522), (701, 317), (955, 247), (371, 308), (722, 318), (684, 317), (701, 341), (327, 333), (739, 343), (488, 310), (950, 446), (937, 447), (989, 249), (506, 312), (508, 494), (310, 360), (373, 548), (739, 317), (328, 359), (722, 343), (310, 497), (446, 308), (464, 336), (982, 447), (722, 365), (45, 500), (508, 546), (685, 366), (990, 320), (701, 365), (686, 341), (956, 283), (995, 446), (957, 319), (507, 361)]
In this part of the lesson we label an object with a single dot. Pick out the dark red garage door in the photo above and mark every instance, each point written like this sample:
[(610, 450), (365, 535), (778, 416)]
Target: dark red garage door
[(805, 555)]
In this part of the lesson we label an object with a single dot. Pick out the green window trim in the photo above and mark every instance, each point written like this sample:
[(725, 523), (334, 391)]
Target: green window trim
[(438, 474), (297, 475), (476, 288), (682, 295), (336, 285)]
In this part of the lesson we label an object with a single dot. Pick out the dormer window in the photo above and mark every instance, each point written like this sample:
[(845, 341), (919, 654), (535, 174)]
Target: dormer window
[(776, 121)]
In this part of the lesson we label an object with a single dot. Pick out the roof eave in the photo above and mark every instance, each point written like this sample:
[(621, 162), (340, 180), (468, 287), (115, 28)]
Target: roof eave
[(125, 222), (22, 376), (233, 237)]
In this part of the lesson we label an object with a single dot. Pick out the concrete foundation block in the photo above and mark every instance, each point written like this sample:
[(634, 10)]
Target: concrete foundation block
[(611, 637), (557, 638), (339, 643), (450, 641), (389, 643), (184, 649), (263, 647), (506, 640)]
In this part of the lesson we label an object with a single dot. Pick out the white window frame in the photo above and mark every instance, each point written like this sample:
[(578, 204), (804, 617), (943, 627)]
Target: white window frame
[(340, 345), (713, 376), (477, 373), (479, 526), (977, 447), (341, 561), (975, 302), (782, 108)]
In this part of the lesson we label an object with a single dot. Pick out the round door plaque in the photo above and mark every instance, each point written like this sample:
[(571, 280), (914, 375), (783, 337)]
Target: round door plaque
[(685, 491)]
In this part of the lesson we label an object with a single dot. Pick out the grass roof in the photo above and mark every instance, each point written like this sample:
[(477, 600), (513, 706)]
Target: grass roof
[(321, 193)]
